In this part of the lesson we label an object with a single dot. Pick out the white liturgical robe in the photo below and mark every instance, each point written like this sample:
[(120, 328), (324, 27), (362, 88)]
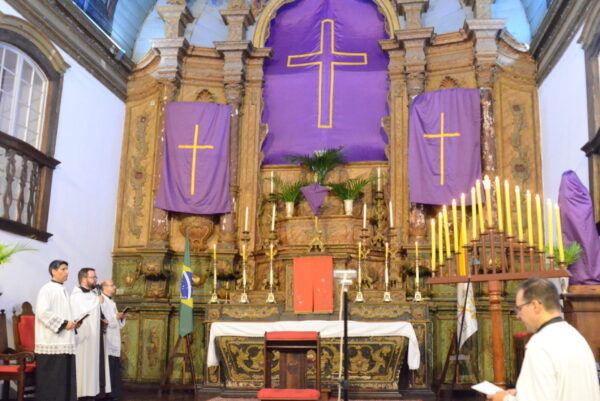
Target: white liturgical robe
[(87, 344), (558, 366), (52, 310), (113, 331)]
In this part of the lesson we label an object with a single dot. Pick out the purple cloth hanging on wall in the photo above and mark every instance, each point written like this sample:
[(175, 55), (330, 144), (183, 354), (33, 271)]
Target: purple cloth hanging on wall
[(315, 195), (301, 37), (440, 168), (577, 219), (206, 125)]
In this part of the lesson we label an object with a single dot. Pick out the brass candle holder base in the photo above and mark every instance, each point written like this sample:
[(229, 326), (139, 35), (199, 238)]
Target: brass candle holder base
[(359, 297), (244, 298), (387, 297), (271, 298), (418, 297), (214, 298)]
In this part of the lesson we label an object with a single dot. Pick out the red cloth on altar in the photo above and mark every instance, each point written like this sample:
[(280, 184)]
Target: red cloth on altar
[(313, 284)]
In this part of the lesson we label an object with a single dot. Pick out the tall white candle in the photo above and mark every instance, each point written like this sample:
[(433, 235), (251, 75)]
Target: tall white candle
[(387, 250), (272, 182), (273, 218), (391, 216), (378, 178), (246, 220), (364, 215)]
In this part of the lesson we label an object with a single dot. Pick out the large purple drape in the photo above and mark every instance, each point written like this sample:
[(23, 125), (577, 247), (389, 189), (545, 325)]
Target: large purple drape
[(577, 218), (444, 154), (326, 85), (195, 175)]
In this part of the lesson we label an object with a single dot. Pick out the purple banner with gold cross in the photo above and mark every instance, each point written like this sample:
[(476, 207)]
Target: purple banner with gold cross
[(444, 154), (326, 84), (195, 174)]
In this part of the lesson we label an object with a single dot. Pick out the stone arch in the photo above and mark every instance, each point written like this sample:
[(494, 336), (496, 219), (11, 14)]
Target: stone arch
[(261, 33)]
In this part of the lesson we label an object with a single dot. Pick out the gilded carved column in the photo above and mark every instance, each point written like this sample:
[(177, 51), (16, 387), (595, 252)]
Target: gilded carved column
[(413, 40), (171, 51), (235, 51), (485, 33)]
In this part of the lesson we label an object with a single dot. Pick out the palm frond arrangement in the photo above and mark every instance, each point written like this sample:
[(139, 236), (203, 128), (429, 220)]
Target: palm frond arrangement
[(7, 251), (572, 253), (349, 189), (321, 161), (289, 191)]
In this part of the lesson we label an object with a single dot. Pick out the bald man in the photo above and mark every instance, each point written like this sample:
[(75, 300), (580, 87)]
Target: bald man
[(116, 321)]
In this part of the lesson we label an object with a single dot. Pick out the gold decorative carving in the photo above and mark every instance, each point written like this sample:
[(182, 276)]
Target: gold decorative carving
[(137, 174), (251, 313), (389, 311), (213, 314), (520, 164), (152, 347), (156, 288), (198, 228), (206, 96), (374, 362), (449, 82)]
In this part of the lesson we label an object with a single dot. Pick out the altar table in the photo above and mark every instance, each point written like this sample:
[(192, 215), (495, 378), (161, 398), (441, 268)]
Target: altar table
[(326, 328)]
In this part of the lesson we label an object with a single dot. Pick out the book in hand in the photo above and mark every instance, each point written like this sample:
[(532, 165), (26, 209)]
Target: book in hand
[(486, 388), (124, 311), (81, 319)]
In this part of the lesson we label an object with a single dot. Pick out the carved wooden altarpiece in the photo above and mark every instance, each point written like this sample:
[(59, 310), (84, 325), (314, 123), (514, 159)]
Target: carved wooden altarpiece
[(149, 242)]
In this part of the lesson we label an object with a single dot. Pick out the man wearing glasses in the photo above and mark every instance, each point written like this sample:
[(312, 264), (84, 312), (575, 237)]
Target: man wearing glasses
[(559, 364)]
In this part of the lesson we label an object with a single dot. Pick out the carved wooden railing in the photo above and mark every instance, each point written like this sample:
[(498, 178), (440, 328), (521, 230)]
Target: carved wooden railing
[(25, 181)]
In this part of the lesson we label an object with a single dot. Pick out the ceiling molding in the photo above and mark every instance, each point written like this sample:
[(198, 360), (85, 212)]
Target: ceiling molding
[(557, 30), (70, 28)]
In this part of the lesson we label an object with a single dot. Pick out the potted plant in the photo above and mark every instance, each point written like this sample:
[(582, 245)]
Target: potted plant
[(348, 191), (289, 193), (321, 162)]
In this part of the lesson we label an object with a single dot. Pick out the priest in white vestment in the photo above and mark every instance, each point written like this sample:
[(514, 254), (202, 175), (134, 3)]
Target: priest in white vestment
[(559, 364), (116, 321), (85, 300)]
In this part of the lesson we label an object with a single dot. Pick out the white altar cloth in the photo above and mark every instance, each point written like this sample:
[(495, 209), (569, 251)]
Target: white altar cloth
[(326, 328)]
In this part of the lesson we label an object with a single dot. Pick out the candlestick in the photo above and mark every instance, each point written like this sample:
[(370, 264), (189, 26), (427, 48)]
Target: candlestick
[(488, 199), (364, 215), (387, 250), (473, 214), (440, 238), (391, 216), (519, 216), (244, 275), (244, 252), (359, 295), (508, 211), (433, 244), (463, 217), (499, 204), (378, 178), (273, 217), (246, 220), (561, 251), (272, 183), (417, 264), (214, 251), (446, 230), (455, 229), (550, 228), (538, 215), (479, 206), (529, 218), (271, 251)]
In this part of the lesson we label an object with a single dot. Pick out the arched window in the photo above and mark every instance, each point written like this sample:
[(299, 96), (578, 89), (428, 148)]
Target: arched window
[(31, 74), (23, 88)]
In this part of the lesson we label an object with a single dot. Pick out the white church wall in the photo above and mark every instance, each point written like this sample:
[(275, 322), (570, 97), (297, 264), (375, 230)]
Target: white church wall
[(84, 190), (563, 120)]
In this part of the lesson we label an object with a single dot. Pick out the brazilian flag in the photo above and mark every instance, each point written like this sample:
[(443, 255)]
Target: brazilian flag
[(186, 306)]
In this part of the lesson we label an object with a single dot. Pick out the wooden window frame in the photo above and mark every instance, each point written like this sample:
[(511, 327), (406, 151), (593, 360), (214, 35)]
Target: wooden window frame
[(45, 156)]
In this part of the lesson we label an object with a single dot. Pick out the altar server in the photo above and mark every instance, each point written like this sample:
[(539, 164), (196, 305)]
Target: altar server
[(116, 321), (55, 339), (92, 367)]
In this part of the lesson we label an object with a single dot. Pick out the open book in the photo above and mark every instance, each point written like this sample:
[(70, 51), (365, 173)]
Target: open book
[(81, 319), (486, 388)]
